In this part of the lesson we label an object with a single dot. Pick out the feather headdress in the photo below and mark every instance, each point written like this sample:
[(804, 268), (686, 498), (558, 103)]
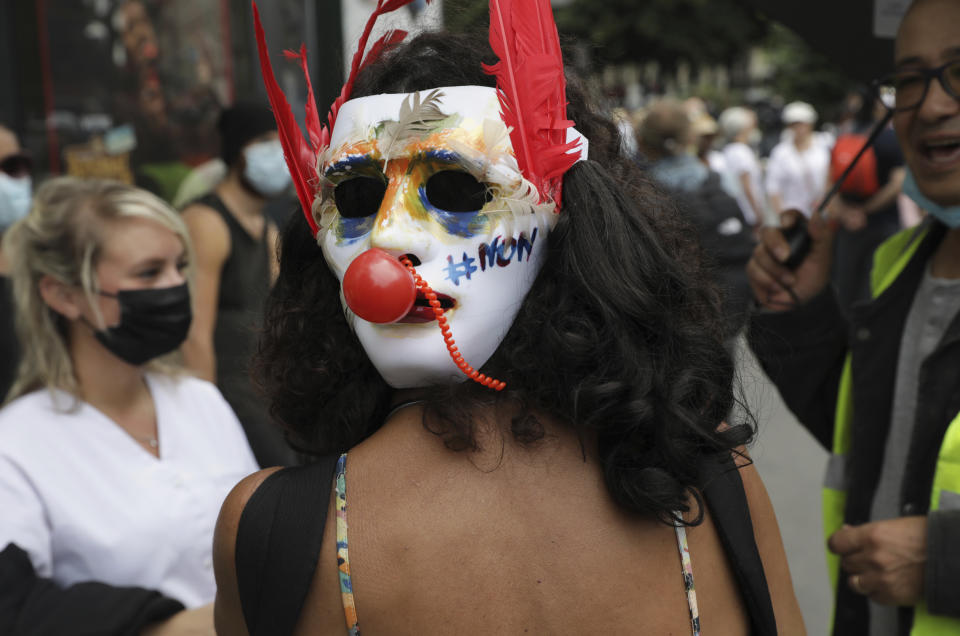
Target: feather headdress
[(301, 158), (532, 89), (530, 83)]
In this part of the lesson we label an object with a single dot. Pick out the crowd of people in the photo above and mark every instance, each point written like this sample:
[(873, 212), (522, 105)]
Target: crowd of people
[(516, 335), (797, 174)]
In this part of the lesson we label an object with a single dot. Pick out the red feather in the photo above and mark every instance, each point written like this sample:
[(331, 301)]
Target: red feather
[(383, 7), (532, 90), (394, 36), (312, 115), (299, 158)]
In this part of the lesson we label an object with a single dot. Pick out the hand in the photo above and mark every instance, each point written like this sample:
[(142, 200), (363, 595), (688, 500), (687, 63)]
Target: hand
[(192, 622), (774, 286), (885, 559), (852, 217)]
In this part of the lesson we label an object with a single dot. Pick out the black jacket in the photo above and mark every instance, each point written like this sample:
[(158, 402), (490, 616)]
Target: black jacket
[(727, 242), (803, 351), (35, 606)]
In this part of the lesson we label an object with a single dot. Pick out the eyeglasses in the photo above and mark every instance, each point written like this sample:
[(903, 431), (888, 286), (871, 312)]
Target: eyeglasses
[(910, 87), (16, 165)]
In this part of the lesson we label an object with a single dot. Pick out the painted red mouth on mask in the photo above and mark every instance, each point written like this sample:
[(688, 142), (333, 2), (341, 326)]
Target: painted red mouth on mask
[(422, 311), (433, 299)]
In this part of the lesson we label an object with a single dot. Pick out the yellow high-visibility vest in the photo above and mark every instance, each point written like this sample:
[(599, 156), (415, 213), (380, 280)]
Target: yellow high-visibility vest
[(889, 260)]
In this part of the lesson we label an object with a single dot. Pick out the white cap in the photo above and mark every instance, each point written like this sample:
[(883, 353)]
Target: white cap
[(799, 113)]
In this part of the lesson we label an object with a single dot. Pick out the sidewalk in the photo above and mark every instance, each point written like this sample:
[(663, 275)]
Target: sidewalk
[(792, 465)]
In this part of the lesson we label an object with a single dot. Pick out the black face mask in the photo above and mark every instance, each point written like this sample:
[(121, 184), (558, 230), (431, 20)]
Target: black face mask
[(152, 322)]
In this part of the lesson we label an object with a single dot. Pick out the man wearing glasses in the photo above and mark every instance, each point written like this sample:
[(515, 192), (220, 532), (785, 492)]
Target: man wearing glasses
[(880, 386)]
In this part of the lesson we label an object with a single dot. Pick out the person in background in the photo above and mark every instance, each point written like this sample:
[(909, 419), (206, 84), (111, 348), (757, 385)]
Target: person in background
[(880, 387), (113, 462), (15, 193), (236, 263), (628, 134), (666, 138), (866, 206), (739, 127), (797, 169), (705, 130)]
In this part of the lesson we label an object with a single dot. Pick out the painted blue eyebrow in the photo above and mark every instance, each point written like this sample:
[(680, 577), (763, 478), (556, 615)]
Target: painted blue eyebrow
[(351, 161), (438, 154), (442, 155)]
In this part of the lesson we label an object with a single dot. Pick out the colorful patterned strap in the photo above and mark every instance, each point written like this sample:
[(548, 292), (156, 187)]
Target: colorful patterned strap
[(343, 554), (346, 582), (687, 567)]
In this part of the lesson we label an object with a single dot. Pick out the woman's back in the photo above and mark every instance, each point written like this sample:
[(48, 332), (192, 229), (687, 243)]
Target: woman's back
[(513, 539)]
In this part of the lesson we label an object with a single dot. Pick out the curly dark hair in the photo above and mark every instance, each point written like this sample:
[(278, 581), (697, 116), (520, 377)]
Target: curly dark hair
[(619, 338)]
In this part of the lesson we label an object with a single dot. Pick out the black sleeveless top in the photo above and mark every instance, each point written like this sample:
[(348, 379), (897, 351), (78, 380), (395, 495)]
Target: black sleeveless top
[(244, 285), (9, 346)]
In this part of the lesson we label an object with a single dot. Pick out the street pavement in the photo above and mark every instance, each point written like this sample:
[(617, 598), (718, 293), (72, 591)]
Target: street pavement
[(791, 463)]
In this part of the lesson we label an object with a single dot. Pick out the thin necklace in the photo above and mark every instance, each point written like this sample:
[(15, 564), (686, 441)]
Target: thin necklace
[(401, 406), (149, 440)]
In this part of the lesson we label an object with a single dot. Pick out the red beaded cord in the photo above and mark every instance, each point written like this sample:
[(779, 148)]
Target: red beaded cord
[(431, 297)]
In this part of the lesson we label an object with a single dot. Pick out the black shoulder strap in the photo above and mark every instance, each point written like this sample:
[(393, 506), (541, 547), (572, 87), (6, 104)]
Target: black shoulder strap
[(278, 545), (212, 200), (728, 506)]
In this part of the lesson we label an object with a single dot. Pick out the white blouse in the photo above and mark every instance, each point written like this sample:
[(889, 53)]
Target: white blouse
[(740, 159), (88, 503), (799, 178)]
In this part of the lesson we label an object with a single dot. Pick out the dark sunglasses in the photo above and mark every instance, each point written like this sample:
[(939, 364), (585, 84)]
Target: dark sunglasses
[(910, 87), (16, 165)]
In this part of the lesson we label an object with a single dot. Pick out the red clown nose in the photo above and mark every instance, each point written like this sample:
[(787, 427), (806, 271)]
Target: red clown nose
[(378, 288)]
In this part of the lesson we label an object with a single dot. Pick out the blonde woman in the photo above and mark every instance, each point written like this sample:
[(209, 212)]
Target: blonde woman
[(113, 464)]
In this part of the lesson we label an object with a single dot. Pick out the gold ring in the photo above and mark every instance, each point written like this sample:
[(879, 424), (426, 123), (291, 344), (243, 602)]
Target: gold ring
[(855, 584)]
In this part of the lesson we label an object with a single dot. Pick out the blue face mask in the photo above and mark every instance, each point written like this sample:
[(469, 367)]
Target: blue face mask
[(266, 171), (950, 216), (14, 199)]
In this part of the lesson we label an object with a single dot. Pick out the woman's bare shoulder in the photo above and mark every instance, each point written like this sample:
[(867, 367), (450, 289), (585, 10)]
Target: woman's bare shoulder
[(228, 614)]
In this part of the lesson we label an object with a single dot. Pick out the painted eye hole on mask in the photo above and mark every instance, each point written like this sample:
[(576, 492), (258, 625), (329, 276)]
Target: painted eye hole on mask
[(456, 191), (359, 197)]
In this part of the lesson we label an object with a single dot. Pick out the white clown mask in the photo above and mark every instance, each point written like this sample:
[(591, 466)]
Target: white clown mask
[(432, 175)]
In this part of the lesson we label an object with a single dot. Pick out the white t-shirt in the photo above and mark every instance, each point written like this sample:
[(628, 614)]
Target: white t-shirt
[(88, 503), (716, 161), (798, 178), (742, 160)]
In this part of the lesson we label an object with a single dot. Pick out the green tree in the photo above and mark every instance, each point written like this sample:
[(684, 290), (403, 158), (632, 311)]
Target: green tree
[(622, 31), (466, 16), (804, 74), (701, 32)]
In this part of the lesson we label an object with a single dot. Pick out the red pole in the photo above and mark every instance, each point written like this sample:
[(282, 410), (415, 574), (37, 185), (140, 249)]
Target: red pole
[(53, 149)]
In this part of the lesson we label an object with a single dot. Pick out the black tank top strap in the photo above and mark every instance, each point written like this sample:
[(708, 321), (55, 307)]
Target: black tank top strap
[(278, 545), (245, 276), (727, 501), (212, 200)]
